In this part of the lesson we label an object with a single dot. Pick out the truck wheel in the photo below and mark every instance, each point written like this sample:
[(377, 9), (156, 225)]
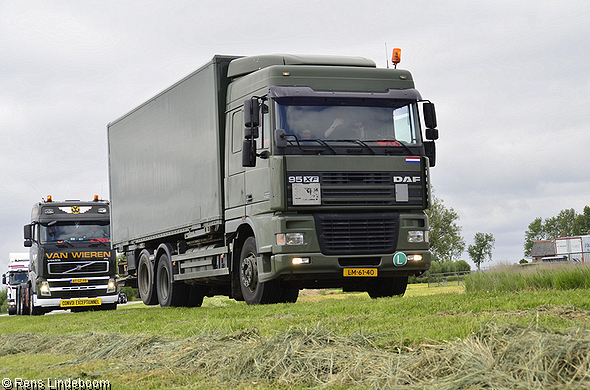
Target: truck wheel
[(388, 287), (32, 310), (170, 293), (145, 280), (289, 294), (195, 296), (23, 301), (255, 292)]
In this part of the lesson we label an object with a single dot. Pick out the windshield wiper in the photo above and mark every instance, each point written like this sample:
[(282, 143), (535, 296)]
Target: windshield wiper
[(319, 141), (97, 243), (358, 141)]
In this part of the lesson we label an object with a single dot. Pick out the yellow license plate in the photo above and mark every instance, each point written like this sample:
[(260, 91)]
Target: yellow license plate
[(80, 302), (79, 280), (362, 272)]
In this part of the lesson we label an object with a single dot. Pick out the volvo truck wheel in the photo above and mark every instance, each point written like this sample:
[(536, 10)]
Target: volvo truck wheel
[(23, 299), (32, 310), (146, 280), (170, 293), (388, 287), (253, 290)]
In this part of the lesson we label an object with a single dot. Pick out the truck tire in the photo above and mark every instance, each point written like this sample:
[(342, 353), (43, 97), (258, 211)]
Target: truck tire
[(29, 307), (388, 287), (255, 292), (170, 293), (23, 300), (145, 280), (289, 294), (195, 296)]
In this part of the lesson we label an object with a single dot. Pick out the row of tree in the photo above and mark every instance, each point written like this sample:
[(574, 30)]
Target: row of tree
[(567, 223), (446, 242)]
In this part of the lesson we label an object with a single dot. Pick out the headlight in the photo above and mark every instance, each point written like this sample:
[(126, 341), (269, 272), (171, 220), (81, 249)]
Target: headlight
[(415, 258), (44, 289), (290, 239), (112, 286), (416, 236)]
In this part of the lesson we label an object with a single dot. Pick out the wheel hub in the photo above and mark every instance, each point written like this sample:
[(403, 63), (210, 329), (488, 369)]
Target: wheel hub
[(249, 272)]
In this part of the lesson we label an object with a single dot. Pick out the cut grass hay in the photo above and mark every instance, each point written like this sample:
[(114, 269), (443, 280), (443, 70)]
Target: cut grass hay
[(498, 357)]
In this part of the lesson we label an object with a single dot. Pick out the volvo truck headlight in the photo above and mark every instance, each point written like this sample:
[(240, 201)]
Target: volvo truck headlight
[(290, 239), (415, 258), (112, 287), (416, 236), (44, 289)]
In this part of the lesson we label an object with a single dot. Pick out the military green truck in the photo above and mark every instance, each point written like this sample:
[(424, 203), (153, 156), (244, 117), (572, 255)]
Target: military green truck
[(255, 177), (71, 265)]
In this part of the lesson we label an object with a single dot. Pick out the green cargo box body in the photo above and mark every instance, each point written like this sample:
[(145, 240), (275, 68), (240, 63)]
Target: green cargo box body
[(155, 192)]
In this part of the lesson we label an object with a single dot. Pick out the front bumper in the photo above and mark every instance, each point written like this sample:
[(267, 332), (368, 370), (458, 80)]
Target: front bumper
[(329, 268), (56, 302)]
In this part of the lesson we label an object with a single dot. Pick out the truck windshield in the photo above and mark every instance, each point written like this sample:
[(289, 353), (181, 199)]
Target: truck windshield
[(393, 124), (75, 231), (18, 278)]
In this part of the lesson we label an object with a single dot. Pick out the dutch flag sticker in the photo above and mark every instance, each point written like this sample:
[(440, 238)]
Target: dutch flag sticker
[(412, 159)]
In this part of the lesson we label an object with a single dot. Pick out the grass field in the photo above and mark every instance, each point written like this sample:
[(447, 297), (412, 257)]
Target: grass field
[(432, 338)]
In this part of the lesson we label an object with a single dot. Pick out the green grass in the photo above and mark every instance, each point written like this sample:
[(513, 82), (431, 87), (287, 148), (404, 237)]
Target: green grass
[(321, 328), (558, 276)]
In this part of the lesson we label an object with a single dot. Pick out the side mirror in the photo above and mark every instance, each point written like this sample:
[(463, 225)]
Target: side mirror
[(27, 232), (249, 153), (251, 113), (430, 152), (280, 138), (3, 279), (432, 134), (429, 115)]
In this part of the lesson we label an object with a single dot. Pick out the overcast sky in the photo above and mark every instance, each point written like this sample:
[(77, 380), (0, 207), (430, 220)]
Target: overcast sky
[(510, 80)]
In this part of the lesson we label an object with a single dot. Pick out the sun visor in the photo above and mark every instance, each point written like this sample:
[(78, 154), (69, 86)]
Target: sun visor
[(282, 92)]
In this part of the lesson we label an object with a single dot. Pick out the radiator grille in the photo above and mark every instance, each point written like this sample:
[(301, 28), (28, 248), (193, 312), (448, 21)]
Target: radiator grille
[(78, 267), (332, 178), (367, 233)]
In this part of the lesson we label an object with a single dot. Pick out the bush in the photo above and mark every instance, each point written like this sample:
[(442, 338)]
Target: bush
[(3, 298), (440, 267), (132, 293)]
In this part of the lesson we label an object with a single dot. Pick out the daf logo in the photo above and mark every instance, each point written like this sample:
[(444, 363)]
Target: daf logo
[(406, 179), (304, 179)]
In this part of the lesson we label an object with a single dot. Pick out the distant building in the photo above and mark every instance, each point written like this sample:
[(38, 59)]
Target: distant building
[(576, 249), (543, 248)]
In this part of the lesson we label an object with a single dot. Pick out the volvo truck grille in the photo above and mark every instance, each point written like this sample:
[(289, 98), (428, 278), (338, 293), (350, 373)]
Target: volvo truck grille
[(76, 267), (355, 234)]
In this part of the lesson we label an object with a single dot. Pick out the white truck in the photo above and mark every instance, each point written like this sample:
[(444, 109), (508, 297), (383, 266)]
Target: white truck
[(18, 272)]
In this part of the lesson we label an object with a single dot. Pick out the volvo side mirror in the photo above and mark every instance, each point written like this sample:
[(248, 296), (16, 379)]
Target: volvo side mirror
[(27, 232)]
